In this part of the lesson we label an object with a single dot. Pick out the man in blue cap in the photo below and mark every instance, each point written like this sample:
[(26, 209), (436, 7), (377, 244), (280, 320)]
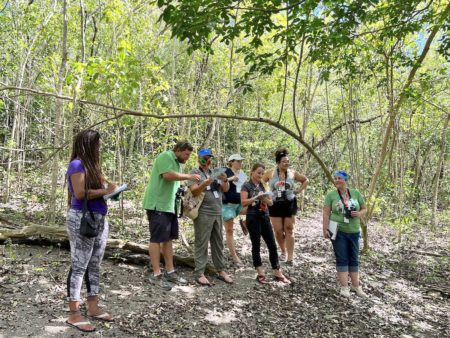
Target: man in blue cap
[(159, 201), (208, 224)]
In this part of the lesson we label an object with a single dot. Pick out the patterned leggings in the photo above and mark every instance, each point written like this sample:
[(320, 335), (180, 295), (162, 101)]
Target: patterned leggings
[(86, 256)]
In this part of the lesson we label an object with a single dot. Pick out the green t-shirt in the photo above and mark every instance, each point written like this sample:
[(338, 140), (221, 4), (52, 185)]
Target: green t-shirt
[(160, 193), (337, 208)]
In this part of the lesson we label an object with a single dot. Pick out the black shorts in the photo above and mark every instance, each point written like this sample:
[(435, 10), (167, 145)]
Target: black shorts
[(283, 209), (163, 226)]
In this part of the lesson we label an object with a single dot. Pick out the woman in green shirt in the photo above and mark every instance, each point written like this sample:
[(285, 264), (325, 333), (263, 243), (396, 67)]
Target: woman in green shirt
[(345, 207)]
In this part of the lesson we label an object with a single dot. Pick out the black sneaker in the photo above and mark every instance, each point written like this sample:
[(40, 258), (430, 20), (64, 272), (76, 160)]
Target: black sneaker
[(175, 278), (161, 282)]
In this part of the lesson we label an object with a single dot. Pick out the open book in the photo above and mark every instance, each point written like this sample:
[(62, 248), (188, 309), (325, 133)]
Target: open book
[(333, 229), (115, 194)]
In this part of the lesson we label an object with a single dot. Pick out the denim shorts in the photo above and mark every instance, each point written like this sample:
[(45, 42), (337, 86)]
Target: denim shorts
[(230, 211), (346, 249)]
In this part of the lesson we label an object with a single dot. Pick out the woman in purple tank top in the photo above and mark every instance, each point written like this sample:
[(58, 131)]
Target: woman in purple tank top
[(84, 177)]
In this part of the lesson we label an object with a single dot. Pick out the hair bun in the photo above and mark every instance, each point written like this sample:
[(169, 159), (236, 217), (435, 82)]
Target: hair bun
[(280, 153)]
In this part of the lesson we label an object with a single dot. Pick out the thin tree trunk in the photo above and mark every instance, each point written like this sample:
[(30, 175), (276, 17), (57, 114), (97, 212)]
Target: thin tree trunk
[(19, 118), (59, 111), (394, 111), (438, 171)]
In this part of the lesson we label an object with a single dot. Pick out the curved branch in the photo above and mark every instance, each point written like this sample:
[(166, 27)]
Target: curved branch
[(4, 7), (124, 112), (343, 124)]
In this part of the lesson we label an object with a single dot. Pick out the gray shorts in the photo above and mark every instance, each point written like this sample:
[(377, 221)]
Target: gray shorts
[(163, 226)]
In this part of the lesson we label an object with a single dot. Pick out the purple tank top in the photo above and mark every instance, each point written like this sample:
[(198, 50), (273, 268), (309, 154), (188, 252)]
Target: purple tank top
[(96, 205)]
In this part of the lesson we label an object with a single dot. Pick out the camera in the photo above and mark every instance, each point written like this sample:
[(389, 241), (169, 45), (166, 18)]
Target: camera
[(180, 192), (283, 197), (348, 211)]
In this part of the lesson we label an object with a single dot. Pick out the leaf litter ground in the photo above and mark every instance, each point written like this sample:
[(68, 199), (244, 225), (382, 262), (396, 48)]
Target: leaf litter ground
[(408, 294)]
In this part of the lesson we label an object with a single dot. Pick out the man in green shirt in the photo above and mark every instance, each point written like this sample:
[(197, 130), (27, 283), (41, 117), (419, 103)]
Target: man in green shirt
[(159, 201)]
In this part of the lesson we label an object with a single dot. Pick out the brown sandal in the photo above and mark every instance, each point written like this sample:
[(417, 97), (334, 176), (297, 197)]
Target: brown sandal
[(106, 317), (283, 279), (226, 279), (261, 279), (80, 323)]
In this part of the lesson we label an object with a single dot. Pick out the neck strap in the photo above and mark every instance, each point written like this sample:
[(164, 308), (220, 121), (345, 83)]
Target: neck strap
[(346, 195)]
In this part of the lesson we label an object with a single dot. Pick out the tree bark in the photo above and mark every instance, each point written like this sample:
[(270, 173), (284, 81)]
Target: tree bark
[(394, 111), (438, 171), (59, 110)]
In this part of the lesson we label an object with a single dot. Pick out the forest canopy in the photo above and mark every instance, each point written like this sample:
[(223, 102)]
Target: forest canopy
[(355, 85)]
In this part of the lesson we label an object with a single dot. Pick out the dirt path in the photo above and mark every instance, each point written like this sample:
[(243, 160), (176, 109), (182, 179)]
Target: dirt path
[(408, 296)]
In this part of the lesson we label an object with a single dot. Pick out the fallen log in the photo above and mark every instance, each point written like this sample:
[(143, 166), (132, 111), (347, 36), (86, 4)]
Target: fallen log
[(47, 235), (426, 253)]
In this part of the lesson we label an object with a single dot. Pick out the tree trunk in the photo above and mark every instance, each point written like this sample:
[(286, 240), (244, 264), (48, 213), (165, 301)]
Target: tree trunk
[(59, 111), (393, 114), (438, 171)]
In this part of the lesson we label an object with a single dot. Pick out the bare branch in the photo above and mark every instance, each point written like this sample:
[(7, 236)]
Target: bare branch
[(340, 126), (124, 112)]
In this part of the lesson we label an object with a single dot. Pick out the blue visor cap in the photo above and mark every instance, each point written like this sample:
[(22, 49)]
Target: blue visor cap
[(205, 152), (341, 173)]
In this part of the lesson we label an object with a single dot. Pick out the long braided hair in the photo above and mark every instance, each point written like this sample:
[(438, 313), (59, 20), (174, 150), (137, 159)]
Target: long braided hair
[(86, 147)]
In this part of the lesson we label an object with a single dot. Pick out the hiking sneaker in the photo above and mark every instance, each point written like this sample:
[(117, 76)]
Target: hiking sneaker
[(282, 257), (345, 291), (175, 278), (160, 281), (359, 292)]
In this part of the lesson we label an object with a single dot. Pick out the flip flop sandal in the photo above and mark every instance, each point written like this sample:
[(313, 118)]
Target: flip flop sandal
[(103, 317), (261, 279), (282, 279), (201, 283), (223, 279), (78, 324)]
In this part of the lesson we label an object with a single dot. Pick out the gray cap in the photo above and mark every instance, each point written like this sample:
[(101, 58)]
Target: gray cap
[(235, 157)]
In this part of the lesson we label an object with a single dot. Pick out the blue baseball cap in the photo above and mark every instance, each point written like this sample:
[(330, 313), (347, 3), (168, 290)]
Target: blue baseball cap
[(341, 173), (205, 152)]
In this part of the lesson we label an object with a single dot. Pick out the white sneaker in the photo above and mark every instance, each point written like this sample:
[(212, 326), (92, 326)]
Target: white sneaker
[(359, 292), (345, 291)]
